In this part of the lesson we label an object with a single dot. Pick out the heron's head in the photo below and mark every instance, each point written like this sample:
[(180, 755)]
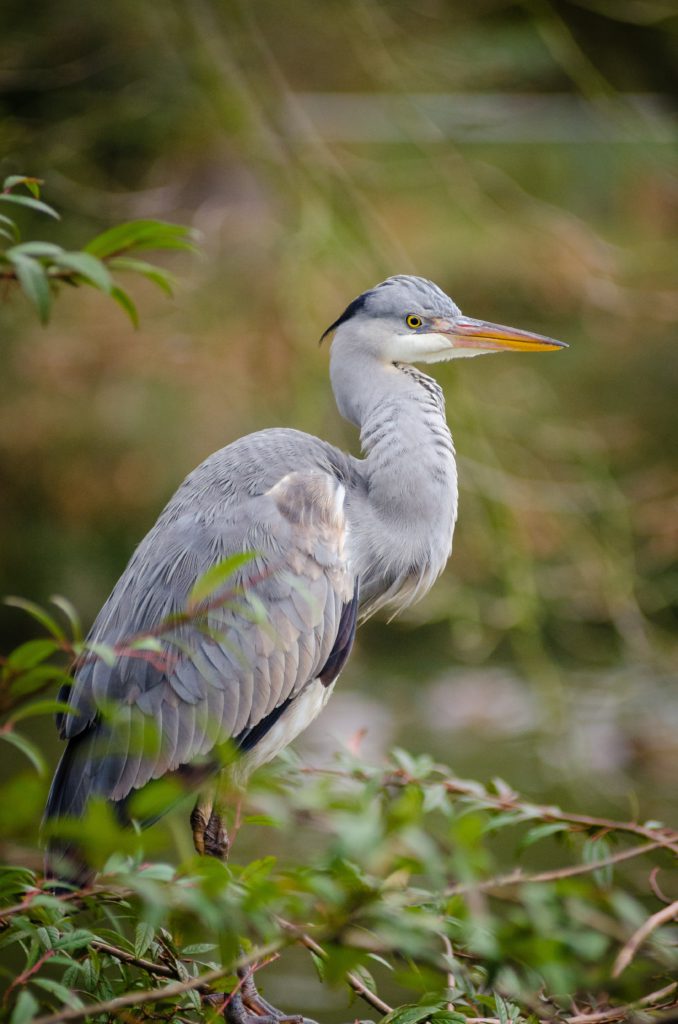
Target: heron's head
[(411, 320)]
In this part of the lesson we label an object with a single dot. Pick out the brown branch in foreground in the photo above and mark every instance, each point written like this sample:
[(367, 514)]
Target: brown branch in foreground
[(134, 998), (352, 979), (518, 877), (655, 1001), (666, 837), (627, 953), (202, 984), (162, 970), (621, 1013)]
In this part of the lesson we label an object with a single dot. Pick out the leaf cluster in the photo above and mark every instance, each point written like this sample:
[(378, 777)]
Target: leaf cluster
[(390, 876), (40, 267)]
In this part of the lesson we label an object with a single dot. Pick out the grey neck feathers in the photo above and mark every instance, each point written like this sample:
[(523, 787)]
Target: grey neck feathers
[(403, 522)]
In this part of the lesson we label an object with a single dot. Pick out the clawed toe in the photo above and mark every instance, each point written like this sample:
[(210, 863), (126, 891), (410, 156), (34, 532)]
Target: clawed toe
[(246, 1006), (209, 834), (238, 1012), (216, 841)]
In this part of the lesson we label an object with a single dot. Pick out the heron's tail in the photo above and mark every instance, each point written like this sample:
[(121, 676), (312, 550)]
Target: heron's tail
[(74, 783)]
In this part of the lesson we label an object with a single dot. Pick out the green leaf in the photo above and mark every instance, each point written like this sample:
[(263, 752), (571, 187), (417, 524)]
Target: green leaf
[(33, 280), (125, 302), (199, 947), (158, 872), (538, 832), (162, 278), (42, 707), (60, 991), (88, 266), (36, 678), (78, 938), (46, 249), (506, 818), (409, 1014), (27, 748), (262, 819), (137, 235), (32, 184), (595, 850), (148, 643), (101, 650), (25, 1009), (143, 937), (506, 1011), (215, 577), (193, 1000), (14, 231), (32, 653), (48, 936), (31, 203), (71, 614), (39, 614)]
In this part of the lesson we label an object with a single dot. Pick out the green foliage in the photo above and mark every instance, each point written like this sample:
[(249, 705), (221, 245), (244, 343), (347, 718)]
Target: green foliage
[(388, 875), (39, 268)]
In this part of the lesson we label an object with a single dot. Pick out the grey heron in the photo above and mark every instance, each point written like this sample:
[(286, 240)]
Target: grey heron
[(333, 537)]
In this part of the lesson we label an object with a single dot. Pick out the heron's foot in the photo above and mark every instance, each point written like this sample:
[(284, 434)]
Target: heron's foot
[(216, 841), (246, 1006), (199, 822), (210, 837)]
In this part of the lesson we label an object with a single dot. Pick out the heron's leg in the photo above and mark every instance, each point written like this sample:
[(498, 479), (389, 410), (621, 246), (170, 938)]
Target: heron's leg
[(200, 816), (209, 833), (246, 1006), (217, 842)]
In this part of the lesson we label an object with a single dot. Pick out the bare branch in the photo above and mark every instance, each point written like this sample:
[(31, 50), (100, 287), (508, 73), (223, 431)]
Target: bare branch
[(626, 955), (665, 837), (201, 984), (162, 970), (352, 979), (518, 877)]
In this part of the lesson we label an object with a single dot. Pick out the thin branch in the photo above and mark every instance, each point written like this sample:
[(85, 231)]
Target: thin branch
[(518, 877), (626, 955), (155, 995), (621, 1013), (665, 837), (358, 986), (654, 885), (22, 978), (25, 905), (654, 1000), (162, 970)]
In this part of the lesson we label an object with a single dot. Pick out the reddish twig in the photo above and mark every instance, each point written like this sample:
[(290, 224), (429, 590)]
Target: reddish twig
[(22, 978), (665, 837)]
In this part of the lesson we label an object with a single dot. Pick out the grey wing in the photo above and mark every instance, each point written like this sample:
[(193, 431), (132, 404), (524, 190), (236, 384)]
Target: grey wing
[(231, 671)]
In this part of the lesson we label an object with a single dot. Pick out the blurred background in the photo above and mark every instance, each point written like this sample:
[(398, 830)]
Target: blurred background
[(523, 156)]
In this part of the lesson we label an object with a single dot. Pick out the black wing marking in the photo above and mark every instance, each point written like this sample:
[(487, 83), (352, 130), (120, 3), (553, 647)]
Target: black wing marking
[(344, 641)]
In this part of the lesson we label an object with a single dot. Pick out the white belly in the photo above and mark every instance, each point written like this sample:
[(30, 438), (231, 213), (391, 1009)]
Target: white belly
[(294, 720)]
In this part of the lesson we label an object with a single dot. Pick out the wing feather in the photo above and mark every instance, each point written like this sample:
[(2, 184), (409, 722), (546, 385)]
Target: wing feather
[(206, 686)]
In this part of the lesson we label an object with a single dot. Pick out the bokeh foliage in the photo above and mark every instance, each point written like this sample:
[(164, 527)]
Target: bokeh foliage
[(551, 638), (388, 876)]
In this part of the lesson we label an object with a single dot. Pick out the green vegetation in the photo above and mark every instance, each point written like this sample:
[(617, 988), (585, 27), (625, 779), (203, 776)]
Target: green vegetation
[(387, 876), (40, 267), (546, 655)]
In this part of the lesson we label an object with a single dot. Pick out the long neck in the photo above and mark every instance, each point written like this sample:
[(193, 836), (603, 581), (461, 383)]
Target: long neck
[(403, 518)]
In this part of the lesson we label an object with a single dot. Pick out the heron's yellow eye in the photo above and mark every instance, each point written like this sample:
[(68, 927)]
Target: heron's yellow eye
[(413, 321)]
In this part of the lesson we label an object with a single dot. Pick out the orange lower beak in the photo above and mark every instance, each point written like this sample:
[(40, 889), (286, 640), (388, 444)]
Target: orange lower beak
[(479, 334)]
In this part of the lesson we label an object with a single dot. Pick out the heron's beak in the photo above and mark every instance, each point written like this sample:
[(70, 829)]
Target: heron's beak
[(479, 334)]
